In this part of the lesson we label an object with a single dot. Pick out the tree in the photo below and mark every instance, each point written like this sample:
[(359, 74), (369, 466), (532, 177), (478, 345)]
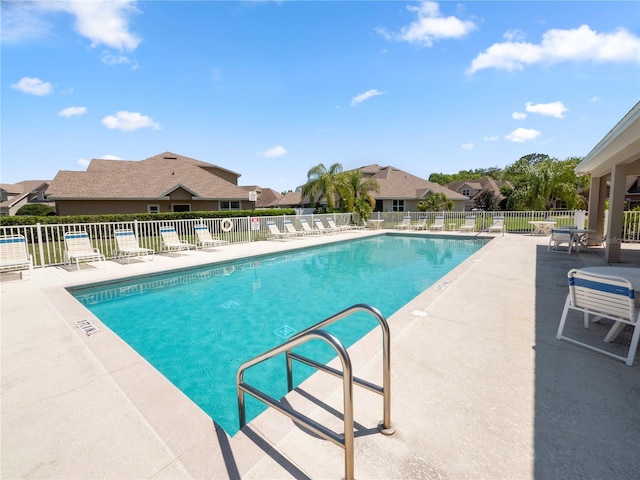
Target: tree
[(540, 181), (322, 183), (351, 188), (36, 209), (437, 202), (486, 200)]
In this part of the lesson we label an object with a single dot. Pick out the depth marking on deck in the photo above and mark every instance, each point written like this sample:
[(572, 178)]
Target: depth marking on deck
[(443, 285), (87, 327)]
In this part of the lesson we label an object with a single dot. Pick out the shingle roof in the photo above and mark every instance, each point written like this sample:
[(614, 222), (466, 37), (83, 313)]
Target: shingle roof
[(266, 197), (480, 184), (152, 178), (398, 184)]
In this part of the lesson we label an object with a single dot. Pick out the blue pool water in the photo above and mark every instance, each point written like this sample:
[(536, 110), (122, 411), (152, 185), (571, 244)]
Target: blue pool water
[(197, 326)]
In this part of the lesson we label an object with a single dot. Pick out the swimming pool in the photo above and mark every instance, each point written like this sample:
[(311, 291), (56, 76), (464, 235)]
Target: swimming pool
[(197, 326)]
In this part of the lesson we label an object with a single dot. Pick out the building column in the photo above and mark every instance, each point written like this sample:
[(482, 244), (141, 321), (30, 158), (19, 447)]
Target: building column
[(616, 213), (597, 196)]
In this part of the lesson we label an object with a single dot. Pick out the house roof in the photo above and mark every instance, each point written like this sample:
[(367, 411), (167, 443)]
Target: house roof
[(398, 184), (152, 178), (479, 184), (17, 191), (266, 196)]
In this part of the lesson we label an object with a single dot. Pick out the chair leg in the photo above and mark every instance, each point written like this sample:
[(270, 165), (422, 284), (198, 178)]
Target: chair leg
[(565, 311), (634, 342)]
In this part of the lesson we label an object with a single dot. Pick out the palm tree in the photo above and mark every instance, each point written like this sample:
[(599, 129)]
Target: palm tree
[(355, 193), (322, 183)]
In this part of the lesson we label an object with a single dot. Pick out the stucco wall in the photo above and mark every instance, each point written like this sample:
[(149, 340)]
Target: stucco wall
[(100, 207)]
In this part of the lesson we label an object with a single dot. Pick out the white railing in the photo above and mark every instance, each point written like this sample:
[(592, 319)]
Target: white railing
[(46, 242)]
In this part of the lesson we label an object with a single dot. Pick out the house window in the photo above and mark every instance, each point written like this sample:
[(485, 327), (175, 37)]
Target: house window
[(181, 207), (153, 208), (466, 192), (229, 205), (398, 206)]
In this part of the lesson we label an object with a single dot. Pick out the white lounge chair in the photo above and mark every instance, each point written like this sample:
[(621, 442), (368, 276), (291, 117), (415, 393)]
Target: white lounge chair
[(438, 223), (14, 254), (469, 224), (558, 237), (275, 233), (406, 223), (421, 224), (205, 239), (78, 248), (497, 225), (172, 242), (337, 228), (602, 296), (321, 228), (127, 245), (307, 228), (290, 228)]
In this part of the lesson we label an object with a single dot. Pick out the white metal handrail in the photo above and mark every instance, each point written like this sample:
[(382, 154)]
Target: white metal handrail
[(315, 332)]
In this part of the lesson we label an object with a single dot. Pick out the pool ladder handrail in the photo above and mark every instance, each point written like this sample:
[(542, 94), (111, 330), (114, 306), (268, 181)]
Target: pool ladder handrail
[(315, 332)]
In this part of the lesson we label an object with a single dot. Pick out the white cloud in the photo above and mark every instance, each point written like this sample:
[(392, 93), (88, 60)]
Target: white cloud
[(514, 35), (129, 121), (520, 135), (274, 152), (578, 45), (518, 115), (103, 22), (110, 157), (555, 109), (492, 138), (467, 146), (72, 111), (111, 60), (83, 163), (595, 99), (34, 86), (430, 26), (365, 96)]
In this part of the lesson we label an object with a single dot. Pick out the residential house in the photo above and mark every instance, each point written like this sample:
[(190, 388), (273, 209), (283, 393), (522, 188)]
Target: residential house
[(472, 188), (14, 196), (163, 183), (401, 192)]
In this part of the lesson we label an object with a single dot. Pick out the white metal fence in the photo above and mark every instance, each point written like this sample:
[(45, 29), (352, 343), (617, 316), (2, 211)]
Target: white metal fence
[(46, 242)]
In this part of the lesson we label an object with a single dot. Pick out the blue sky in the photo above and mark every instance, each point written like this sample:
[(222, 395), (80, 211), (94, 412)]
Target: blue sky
[(271, 89)]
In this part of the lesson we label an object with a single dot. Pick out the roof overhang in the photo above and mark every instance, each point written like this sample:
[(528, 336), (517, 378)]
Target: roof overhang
[(620, 146)]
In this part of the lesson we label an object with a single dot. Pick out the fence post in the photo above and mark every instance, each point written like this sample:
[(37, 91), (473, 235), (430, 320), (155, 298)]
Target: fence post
[(40, 246)]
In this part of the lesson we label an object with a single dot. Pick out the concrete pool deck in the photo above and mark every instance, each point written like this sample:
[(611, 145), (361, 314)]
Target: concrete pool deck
[(480, 387)]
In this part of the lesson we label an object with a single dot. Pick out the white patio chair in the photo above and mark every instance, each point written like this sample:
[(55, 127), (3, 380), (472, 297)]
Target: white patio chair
[(406, 223), (14, 254), (171, 242), (421, 224), (307, 228), (438, 223), (469, 224), (337, 228), (559, 237), (78, 248), (497, 225), (205, 239), (127, 245), (290, 228), (602, 296), (321, 228), (275, 233)]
